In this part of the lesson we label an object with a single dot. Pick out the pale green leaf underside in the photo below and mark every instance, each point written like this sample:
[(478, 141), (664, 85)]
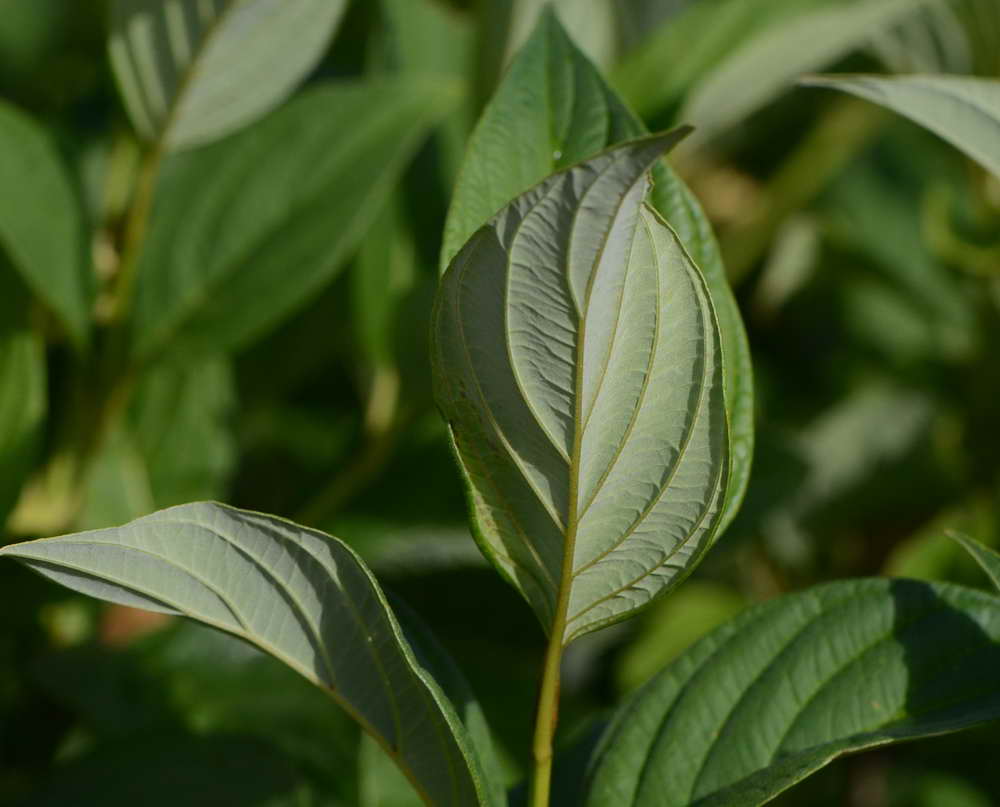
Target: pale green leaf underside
[(553, 110), (577, 360), (191, 71), (780, 53), (780, 691), (297, 594), (985, 556), (246, 229), (41, 223), (964, 111)]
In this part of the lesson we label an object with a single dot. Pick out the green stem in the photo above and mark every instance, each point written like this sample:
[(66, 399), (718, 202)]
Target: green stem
[(545, 722)]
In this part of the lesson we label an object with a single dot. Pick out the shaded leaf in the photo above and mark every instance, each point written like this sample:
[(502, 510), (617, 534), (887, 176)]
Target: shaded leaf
[(41, 225), (577, 360), (964, 111), (191, 71), (245, 230), (23, 401), (986, 557), (295, 593), (552, 110), (782, 690)]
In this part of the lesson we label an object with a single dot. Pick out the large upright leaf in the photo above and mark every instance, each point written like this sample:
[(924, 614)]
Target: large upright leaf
[(964, 111), (780, 53), (788, 686), (22, 389), (191, 71), (552, 110), (578, 363), (41, 225), (244, 230), (295, 593)]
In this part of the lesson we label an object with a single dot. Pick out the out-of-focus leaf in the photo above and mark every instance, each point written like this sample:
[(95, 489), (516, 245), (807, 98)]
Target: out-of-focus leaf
[(986, 557), (964, 111), (167, 770), (247, 229), (672, 625), (777, 693), (191, 71), (22, 389), (41, 225), (530, 129), (180, 421), (780, 54), (117, 488), (295, 593), (578, 363)]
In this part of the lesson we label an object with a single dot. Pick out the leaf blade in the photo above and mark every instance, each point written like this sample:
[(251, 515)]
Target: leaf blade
[(295, 593), (963, 110), (808, 677), (574, 277), (985, 556), (178, 64), (47, 251)]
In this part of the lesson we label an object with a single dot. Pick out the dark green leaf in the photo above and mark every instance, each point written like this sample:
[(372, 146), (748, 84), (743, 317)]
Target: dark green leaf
[(246, 229), (986, 557), (788, 686)]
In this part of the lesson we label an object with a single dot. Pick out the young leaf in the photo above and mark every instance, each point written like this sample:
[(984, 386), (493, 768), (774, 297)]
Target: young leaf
[(780, 691), (244, 230), (577, 361), (529, 129), (192, 71), (964, 111), (22, 390), (295, 593), (41, 226), (985, 556)]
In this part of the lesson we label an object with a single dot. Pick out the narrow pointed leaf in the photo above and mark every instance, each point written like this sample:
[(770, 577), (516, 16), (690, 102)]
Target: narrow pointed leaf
[(41, 224), (985, 556), (246, 229), (964, 111), (297, 594), (191, 71), (530, 129), (577, 360), (780, 691)]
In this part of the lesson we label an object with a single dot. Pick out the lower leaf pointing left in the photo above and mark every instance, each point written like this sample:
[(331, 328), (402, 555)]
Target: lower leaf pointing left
[(296, 593)]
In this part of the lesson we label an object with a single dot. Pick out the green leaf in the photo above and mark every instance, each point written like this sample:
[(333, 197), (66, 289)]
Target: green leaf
[(530, 128), (552, 110), (577, 361), (22, 390), (781, 53), (791, 684), (245, 230), (192, 71), (295, 593), (964, 111), (41, 224), (986, 557)]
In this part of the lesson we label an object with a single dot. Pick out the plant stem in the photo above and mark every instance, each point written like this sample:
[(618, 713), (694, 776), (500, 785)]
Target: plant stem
[(545, 722)]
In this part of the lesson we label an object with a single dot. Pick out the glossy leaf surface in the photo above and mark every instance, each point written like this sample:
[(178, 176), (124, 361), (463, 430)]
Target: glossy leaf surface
[(577, 360), (191, 71), (41, 225), (246, 229), (552, 110), (788, 686), (964, 111), (295, 593)]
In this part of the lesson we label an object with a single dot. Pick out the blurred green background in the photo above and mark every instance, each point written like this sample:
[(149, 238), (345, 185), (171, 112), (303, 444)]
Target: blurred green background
[(865, 255)]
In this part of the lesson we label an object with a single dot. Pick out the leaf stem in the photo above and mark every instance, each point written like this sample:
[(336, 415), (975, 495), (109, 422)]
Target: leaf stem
[(545, 722)]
